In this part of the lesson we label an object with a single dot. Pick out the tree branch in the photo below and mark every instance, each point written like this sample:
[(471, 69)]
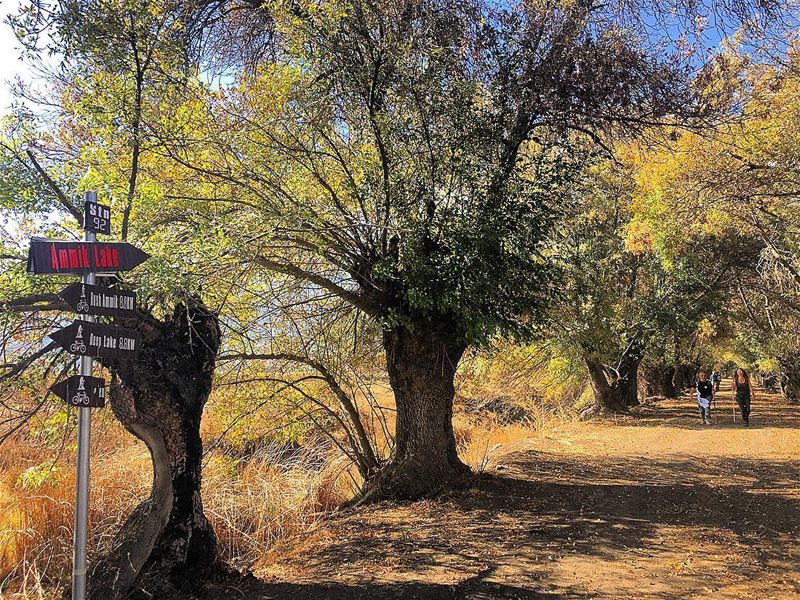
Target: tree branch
[(60, 196), (346, 402), (294, 271), (34, 302), (15, 369)]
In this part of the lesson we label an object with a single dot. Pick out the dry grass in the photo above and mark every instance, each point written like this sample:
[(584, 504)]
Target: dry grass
[(268, 497), (251, 504), (37, 530), (484, 441), (253, 500)]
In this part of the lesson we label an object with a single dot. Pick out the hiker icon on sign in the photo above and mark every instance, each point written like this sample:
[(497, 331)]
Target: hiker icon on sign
[(81, 397), (78, 345), (83, 305)]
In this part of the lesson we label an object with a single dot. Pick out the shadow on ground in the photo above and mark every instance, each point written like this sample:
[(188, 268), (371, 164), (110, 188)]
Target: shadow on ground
[(473, 589), (568, 526)]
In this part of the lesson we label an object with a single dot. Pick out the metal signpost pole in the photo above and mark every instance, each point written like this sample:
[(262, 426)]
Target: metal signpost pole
[(82, 490), (89, 257)]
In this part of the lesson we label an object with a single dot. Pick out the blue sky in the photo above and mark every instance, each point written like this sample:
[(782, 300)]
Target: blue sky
[(10, 65)]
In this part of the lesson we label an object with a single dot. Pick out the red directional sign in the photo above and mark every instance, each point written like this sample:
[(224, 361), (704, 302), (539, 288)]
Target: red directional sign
[(52, 257), (88, 299), (84, 338), (81, 391)]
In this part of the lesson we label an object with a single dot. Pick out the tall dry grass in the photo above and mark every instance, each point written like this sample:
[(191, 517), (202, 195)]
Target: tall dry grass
[(36, 560), (255, 502), (254, 498), (251, 503)]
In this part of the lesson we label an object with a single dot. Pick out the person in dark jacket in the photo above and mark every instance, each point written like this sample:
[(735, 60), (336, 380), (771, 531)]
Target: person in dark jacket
[(743, 394), (705, 396), (716, 378)]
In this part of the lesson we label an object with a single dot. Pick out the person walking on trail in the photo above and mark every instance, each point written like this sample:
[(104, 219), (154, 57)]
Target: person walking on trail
[(705, 395), (743, 394), (715, 380)]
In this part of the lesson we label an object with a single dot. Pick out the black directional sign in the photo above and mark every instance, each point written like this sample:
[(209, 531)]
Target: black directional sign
[(83, 338), (97, 218), (88, 299), (51, 257), (81, 391)]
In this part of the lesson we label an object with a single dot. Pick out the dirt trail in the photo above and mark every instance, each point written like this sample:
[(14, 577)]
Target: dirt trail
[(655, 506)]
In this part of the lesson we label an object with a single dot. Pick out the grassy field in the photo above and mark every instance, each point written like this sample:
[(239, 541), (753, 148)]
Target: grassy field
[(650, 506), (256, 492)]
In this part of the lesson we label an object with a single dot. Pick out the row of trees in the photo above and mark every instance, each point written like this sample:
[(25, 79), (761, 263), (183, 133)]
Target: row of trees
[(317, 181), (740, 182)]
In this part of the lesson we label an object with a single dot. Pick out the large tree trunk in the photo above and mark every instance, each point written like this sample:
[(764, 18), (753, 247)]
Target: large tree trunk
[(614, 391), (658, 380), (789, 380), (167, 544), (684, 377), (422, 365)]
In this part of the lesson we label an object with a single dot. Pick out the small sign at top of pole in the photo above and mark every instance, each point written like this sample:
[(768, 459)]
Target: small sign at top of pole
[(96, 217)]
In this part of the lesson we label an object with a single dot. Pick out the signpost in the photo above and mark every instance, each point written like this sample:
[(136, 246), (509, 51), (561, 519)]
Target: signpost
[(86, 338), (56, 257), (80, 391), (98, 300), (81, 526)]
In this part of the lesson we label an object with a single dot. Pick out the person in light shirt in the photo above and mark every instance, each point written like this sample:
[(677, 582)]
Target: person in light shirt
[(716, 378), (705, 396)]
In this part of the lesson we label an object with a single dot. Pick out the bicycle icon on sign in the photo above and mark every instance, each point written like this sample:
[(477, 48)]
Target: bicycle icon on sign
[(83, 306), (78, 346), (81, 398)]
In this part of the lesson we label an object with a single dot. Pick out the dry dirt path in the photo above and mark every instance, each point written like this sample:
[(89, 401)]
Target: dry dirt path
[(652, 506)]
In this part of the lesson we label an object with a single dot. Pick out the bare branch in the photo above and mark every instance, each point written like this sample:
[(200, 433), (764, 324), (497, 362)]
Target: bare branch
[(60, 195), (15, 369), (34, 303), (346, 402), (294, 271)]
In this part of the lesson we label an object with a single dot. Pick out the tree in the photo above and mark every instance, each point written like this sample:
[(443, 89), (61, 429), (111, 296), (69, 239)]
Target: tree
[(119, 62), (624, 297), (410, 159), (742, 180)]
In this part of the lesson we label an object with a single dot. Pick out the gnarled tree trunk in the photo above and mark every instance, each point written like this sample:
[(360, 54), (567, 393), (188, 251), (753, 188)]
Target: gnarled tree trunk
[(684, 377), (658, 380), (789, 379), (422, 365), (614, 390), (167, 544)]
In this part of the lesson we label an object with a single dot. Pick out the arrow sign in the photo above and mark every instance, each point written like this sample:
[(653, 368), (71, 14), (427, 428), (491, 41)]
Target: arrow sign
[(52, 257), (96, 217), (88, 299), (83, 338), (81, 391)]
